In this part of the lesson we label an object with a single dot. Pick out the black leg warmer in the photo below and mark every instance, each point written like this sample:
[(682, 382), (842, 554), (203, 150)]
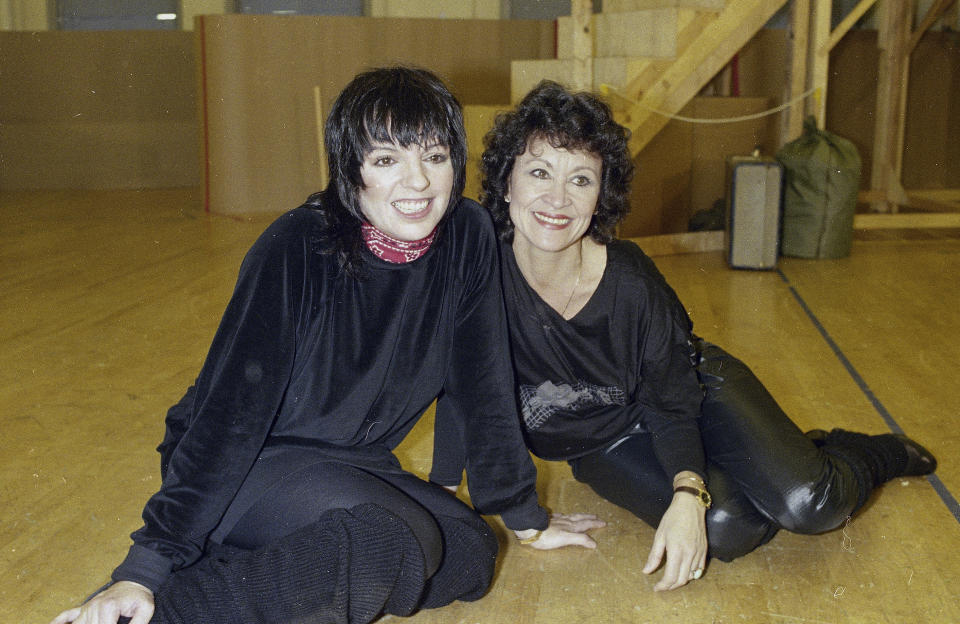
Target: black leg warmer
[(469, 554), (874, 460), (348, 567)]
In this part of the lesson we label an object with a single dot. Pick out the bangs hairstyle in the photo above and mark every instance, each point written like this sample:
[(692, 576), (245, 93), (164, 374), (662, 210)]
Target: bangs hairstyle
[(400, 105), (567, 120)]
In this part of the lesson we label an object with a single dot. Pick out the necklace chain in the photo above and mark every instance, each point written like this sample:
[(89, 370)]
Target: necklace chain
[(575, 286)]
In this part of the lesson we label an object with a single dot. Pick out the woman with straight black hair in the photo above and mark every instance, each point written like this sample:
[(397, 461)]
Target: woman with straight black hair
[(281, 499)]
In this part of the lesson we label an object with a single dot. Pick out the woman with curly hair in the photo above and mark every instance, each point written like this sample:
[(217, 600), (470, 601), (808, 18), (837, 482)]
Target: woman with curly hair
[(611, 378), (281, 499)]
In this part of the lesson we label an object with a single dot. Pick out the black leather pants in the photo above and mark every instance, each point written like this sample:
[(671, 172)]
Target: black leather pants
[(762, 472)]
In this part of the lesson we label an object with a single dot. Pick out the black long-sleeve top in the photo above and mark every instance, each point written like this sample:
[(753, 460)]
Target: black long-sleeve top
[(306, 355), (624, 363)]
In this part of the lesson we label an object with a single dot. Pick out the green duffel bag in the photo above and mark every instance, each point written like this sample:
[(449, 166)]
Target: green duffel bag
[(822, 177)]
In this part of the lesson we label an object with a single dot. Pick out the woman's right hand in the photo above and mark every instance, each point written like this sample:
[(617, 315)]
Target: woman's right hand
[(566, 530), (681, 538), (123, 598)]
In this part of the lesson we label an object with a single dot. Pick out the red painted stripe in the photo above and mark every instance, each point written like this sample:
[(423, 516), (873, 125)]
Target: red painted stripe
[(203, 105)]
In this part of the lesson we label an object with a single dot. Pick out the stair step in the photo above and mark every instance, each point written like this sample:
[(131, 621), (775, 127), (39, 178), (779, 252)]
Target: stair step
[(629, 75), (612, 71), (644, 72), (615, 71), (705, 55), (647, 33), (619, 6)]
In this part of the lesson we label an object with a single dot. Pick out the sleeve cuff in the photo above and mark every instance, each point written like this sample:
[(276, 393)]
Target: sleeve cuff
[(443, 478), (529, 515), (144, 566)]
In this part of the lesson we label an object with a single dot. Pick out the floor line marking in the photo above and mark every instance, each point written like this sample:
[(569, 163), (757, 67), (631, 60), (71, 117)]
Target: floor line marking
[(945, 495)]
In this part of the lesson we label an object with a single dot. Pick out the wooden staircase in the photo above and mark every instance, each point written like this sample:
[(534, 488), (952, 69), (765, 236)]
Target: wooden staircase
[(651, 57)]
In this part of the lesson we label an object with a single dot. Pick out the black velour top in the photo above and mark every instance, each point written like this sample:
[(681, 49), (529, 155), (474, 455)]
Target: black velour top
[(306, 356), (624, 363)]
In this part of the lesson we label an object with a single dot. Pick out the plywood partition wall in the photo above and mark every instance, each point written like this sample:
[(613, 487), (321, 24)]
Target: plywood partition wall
[(97, 110), (258, 75), (683, 169)]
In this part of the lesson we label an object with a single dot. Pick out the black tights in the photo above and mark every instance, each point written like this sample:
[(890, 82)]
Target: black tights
[(300, 498), (763, 473), (308, 539)]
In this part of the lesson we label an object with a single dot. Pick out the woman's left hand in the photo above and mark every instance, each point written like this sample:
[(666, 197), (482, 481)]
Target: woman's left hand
[(566, 530), (682, 538)]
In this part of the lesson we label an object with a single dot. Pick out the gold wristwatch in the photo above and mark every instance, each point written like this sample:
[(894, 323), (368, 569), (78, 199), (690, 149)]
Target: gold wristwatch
[(698, 489), (702, 495)]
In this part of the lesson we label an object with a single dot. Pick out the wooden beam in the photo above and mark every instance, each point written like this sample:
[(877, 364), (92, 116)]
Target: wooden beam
[(706, 56), (923, 203), (713, 241), (949, 199), (703, 242), (889, 117), (847, 23), (906, 220), (951, 17), (818, 64), (936, 10), (647, 71), (582, 13), (792, 125), (936, 200)]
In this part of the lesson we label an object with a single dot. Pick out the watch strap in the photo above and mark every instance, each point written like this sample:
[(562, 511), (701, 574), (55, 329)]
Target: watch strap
[(703, 497)]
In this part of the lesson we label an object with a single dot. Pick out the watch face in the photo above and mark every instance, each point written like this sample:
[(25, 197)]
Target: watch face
[(702, 495)]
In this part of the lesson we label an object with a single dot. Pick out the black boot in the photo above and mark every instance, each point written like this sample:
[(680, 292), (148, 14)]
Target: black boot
[(817, 436), (919, 461), (875, 459)]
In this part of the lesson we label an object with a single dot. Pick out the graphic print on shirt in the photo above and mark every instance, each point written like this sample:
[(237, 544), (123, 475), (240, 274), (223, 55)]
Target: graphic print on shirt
[(539, 403)]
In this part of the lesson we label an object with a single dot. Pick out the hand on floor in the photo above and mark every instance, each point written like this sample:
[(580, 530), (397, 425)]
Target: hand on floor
[(565, 530)]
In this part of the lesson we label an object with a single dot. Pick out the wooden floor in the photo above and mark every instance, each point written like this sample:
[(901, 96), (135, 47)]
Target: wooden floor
[(110, 299)]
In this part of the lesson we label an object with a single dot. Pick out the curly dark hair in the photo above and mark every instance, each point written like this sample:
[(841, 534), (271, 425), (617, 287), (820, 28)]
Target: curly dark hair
[(402, 105), (568, 120)]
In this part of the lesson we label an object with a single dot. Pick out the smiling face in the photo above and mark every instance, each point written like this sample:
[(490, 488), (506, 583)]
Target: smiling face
[(406, 189), (553, 194)]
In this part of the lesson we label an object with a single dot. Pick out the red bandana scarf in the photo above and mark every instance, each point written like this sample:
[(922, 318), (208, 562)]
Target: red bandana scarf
[(393, 250)]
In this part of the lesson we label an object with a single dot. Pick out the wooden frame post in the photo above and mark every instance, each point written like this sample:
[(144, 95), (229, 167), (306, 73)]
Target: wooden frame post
[(581, 12), (792, 125), (892, 73), (818, 63)]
